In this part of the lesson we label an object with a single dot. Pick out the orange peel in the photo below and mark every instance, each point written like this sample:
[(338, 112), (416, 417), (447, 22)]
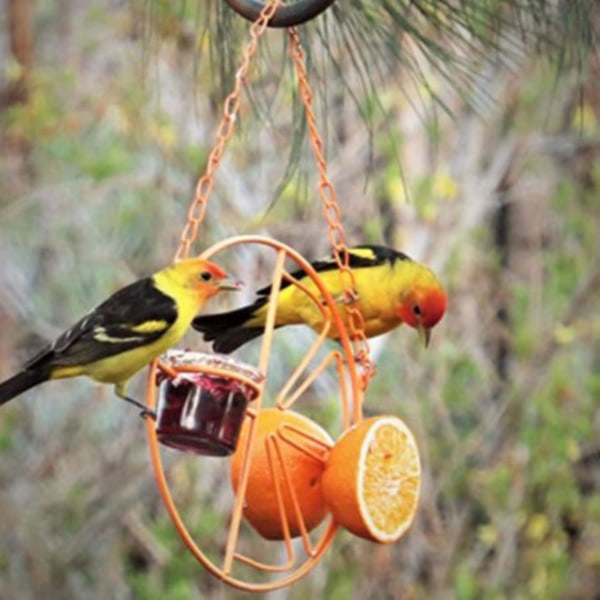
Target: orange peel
[(285, 466)]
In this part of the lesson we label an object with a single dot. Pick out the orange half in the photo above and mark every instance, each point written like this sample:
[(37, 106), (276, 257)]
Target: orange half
[(373, 478), (284, 482)]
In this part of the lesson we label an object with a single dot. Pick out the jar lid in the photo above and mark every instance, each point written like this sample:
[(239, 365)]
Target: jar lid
[(224, 362)]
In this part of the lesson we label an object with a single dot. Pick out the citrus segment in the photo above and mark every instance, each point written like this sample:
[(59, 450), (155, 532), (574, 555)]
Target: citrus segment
[(372, 479), (287, 460)]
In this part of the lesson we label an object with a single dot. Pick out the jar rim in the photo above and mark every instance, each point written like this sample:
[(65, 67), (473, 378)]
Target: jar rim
[(177, 358)]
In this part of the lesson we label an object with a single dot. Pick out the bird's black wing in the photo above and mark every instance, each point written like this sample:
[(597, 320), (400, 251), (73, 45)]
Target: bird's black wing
[(136, 315), (230, 330), (366, 255)]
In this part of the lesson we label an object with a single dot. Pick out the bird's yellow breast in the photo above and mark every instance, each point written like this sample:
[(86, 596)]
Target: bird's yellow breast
[(378, 298)]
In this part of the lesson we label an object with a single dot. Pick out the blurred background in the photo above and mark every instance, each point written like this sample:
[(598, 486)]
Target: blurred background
[(466, 134)]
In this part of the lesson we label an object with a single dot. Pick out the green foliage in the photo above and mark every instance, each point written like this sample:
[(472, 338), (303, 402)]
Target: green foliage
[(465, 584), (340, 585), (7, 431)]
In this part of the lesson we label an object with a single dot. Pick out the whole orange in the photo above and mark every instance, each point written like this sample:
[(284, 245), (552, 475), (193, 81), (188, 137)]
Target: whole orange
[(372, 479), (286, 461)]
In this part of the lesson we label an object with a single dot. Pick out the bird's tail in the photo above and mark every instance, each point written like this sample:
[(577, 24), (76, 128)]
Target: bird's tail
[(230, 330), (21, 382)]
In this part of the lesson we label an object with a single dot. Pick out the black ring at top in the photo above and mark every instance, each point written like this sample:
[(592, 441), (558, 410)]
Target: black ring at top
[(287, 15)]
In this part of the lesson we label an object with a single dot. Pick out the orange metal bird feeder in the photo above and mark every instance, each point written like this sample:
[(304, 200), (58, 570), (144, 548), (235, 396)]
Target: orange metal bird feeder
[(296, 561), (203, 399)]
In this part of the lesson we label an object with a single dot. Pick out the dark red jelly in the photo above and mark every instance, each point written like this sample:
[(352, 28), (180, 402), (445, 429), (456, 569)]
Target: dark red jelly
[(202, 413)]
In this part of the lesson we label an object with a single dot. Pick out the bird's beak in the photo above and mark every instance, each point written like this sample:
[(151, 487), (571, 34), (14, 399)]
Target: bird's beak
[(231, 283), (424, 334)]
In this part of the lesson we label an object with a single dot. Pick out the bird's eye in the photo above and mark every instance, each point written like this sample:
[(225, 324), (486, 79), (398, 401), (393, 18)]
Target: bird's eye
[(205, 276), (416, 310)]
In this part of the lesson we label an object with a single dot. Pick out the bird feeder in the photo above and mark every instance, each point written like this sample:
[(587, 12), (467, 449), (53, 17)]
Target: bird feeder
[(203, 400), (193, 418)]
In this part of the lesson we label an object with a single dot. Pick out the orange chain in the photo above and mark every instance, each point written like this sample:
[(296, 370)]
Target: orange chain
[(332, 213), (231, 106), (327, 193)]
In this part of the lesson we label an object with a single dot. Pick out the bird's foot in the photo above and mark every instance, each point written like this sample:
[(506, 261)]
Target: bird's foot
[(364, 366), (145, 411)]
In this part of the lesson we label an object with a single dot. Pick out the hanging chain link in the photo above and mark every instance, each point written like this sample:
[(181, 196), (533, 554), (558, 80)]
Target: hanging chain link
[(331, 209), (332, 213), (231, 106)]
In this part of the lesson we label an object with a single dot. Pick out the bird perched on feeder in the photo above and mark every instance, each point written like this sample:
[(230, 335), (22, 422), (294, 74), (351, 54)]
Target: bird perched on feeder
[(127, 331), (391, 289)]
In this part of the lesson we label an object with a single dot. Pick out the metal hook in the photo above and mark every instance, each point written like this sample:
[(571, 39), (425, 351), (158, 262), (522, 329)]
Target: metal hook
[(287, 15)]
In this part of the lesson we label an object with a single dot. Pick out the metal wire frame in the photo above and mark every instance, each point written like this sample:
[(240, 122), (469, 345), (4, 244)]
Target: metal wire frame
[(351, 396), (352, 384)]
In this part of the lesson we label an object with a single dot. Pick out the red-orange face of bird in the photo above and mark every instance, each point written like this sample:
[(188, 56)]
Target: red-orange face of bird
[(207, 278), (424, 305)]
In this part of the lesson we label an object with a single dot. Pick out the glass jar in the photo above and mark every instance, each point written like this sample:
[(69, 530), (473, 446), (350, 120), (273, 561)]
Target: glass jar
[(202, 408)]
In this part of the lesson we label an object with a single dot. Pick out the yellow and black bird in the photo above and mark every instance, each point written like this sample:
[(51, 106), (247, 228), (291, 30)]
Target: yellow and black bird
[(127, 331), (391, 287)]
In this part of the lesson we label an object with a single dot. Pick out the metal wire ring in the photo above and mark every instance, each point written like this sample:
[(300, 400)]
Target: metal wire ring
[(286, 15)]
